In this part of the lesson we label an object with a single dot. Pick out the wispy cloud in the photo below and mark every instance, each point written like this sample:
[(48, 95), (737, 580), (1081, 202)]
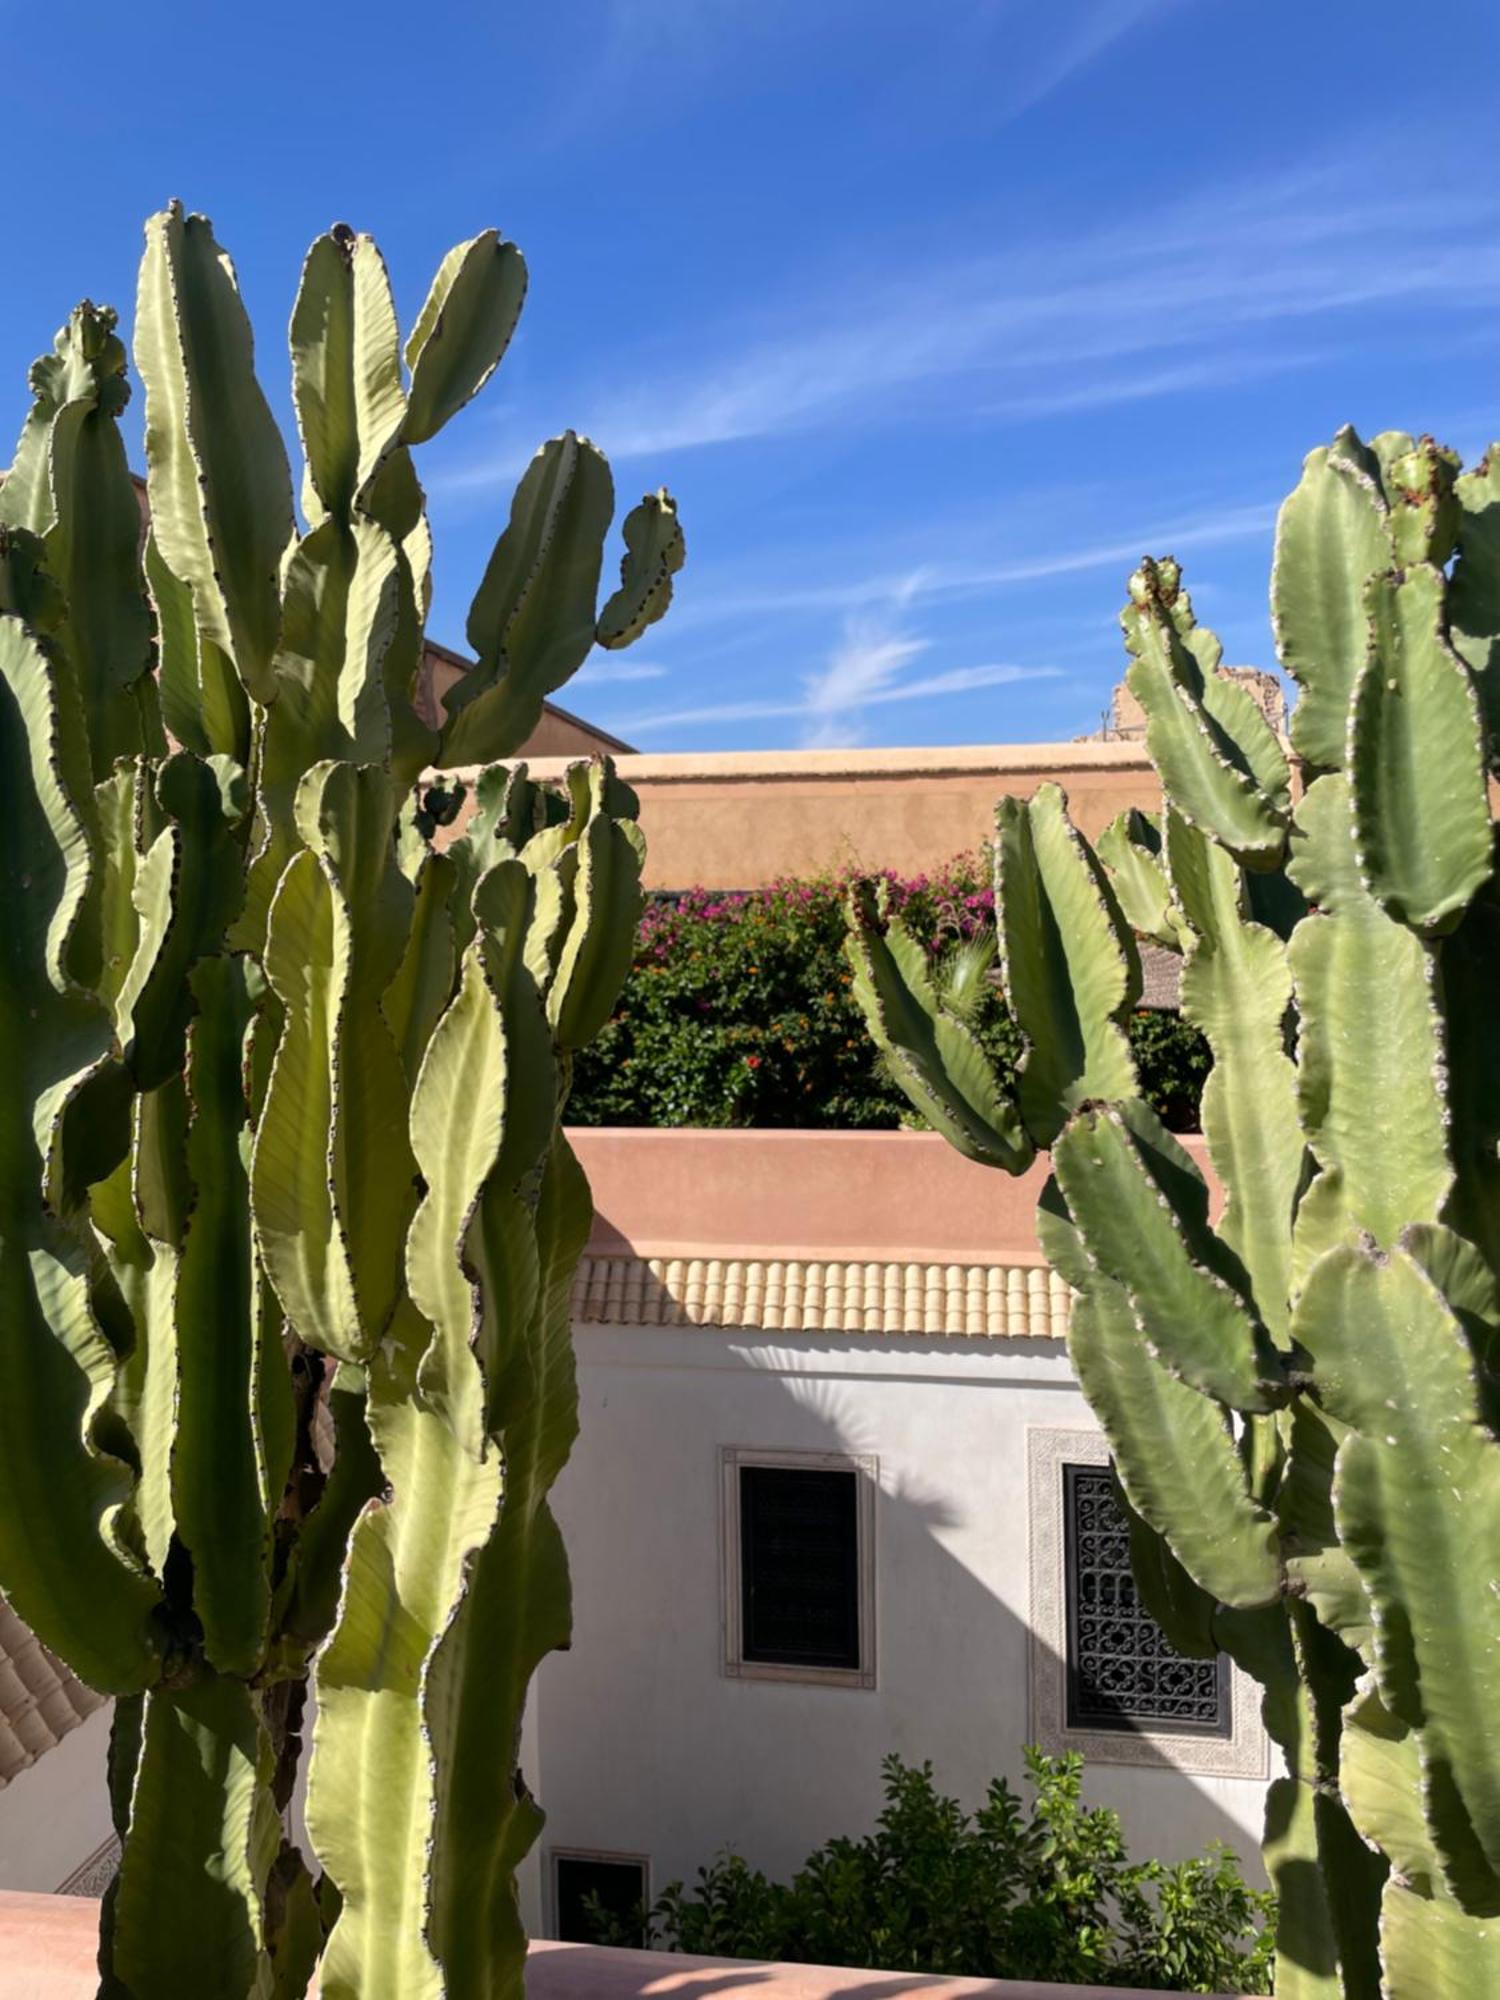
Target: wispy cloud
[(609, 670), (1097, 28), (936, 581), (1198, 295), (658, 49), (863, 671)]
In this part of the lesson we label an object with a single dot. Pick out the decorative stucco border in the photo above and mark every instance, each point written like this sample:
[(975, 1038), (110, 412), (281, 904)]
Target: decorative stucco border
[(867, 1468), (1243, 1754), (93, 1877)]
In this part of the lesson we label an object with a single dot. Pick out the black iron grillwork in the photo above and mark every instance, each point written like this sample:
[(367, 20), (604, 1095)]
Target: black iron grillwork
[(799, 1566), (1123, 1672)]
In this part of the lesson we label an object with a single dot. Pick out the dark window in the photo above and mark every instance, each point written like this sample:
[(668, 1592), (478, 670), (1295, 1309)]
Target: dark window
[(799, 1566), (619, 1885), (1122, 1670)]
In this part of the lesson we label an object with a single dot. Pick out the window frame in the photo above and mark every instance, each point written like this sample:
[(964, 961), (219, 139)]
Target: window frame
[(1242, 1753), (866, 1469), (615, 1857), (1127, 1724)]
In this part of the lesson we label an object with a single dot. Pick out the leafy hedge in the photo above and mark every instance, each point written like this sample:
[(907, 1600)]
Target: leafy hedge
[(737, 1011), (1049, 1894)]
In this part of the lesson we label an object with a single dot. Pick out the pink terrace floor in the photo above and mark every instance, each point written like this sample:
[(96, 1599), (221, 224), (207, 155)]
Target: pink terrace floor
[(47, 1953)]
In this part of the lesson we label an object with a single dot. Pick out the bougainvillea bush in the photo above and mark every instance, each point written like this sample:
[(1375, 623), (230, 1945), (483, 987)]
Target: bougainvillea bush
[(737, 1011)]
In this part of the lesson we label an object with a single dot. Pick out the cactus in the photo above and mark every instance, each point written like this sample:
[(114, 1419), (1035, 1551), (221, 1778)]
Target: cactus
[(1301, 1397), (289, 1217)]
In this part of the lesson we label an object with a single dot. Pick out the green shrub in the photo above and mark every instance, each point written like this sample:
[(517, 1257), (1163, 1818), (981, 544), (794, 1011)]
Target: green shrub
[(737, 1011), (1002, 1894)]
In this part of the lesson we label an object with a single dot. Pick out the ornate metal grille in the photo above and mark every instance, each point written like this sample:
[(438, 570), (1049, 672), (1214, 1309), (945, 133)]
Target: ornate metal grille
[(1122, 1670)]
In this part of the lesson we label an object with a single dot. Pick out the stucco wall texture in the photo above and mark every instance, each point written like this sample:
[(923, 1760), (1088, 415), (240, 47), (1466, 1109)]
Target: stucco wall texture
[(730, 820)]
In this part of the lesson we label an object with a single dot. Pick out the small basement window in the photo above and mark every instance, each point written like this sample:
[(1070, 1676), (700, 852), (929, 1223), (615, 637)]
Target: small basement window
[(619, 1882), (1123, 1671), (798, 1564)]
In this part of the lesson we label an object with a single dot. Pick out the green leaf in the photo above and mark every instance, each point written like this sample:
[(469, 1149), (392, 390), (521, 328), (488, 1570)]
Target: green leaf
[(70, 484), (140, 1212), (1218, 759), (75, 1586), (370, 1785), (518, 1608), (654, 552), (1384, 1781), (355, 1478), (221, 1509), (1474, 589), (1370, 1036), (1420, 485), (1165, 1257), (532, 620), (300, 1237), (463, 329), (204, 706), (933, 1055), (1470, 964), (1237, 987), (1429, 1948), (1307, 1937), (1416, 758), (1332, 536), (600, 942), (1393, 1363), (1184, 1612), (216, 471), (424, 980), (1173, 1451), (189, 1912), (457, 1114), (346, 370), (1068, 962), (1130, 848), (1317, 1564), (187, 890)]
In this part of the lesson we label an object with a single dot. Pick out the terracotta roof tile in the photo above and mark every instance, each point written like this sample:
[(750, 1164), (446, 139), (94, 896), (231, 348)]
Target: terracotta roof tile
[(955, 1301), (40, 1700)]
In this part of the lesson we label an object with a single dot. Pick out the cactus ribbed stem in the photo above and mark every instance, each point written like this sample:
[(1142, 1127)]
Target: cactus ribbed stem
[(288, 1221), (1301, 1402)]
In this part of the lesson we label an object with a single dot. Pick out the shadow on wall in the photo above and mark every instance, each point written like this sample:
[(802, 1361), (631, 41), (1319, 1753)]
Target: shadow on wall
[(646, 1746)]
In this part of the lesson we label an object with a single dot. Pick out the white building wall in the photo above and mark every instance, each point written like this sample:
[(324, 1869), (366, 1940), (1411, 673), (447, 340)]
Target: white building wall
[(644, 1745), (636, 1741), (56, 1815)]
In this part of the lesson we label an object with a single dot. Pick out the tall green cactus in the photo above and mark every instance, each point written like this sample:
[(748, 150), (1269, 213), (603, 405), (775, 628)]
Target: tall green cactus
[(1301, 1397), (287, 1217)]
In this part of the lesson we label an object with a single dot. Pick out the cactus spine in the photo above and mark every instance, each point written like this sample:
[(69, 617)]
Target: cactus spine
[(1301, 1400), (289, 1219)]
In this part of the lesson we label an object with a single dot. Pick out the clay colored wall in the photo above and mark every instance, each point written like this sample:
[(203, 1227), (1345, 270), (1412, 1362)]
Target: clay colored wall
[(731, 821), (860, 1196)]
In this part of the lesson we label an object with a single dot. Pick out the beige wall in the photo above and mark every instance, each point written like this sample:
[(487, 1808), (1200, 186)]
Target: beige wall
[(739, 821)]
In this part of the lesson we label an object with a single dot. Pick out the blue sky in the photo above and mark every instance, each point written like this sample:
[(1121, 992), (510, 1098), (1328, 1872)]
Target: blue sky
[(933, 318)]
